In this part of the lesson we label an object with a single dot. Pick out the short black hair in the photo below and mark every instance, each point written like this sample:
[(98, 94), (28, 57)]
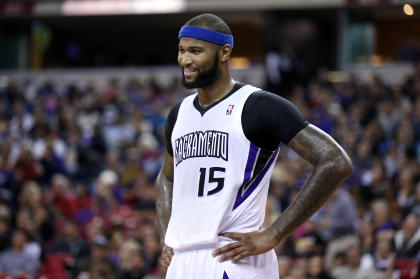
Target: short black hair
[(211, 22)]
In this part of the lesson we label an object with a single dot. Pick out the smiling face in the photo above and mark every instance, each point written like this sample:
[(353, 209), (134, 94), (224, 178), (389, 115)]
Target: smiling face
[(199, 61)]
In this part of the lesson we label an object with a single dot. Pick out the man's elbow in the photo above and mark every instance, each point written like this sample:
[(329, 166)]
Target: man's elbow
[(345, 165)]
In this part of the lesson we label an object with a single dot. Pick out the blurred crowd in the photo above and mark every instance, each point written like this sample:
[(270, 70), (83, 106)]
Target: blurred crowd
[(370, 227), (77, 165)]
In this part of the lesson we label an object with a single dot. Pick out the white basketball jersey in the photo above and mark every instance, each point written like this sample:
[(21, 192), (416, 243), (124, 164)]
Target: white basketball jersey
[(221, 179)]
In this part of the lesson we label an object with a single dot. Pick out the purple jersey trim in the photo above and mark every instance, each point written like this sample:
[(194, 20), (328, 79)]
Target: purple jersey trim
[(225, 275), (253, 151), (241, 198)]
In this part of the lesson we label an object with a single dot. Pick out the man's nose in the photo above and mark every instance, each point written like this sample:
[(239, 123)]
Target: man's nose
[(184, 60)]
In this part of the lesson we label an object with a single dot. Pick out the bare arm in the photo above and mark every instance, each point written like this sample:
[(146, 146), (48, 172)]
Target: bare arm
[(332, 166), (164, 184)]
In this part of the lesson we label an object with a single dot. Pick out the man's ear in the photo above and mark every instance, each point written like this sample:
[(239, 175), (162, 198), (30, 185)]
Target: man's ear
[(224, 53)]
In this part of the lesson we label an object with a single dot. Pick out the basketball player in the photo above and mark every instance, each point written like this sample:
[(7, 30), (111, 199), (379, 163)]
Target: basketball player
[(222, 143)]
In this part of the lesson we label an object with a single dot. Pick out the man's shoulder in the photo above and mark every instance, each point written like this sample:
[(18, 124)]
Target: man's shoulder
[(263, 97), (173, 112), (189, 98)]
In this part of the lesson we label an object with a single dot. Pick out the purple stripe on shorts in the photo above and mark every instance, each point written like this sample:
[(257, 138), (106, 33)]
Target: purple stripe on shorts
[(225, 275), (241, 198)]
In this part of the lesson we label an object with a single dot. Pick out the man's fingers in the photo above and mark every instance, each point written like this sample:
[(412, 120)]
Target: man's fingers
[(164, 265), (231, 254), (226, 248), (234, 236), (165, 262), (166, 258), (168, 254), (168, 250), (241, 256)]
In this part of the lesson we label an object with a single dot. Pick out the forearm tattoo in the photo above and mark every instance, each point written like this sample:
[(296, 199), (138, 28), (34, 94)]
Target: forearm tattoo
[(164, 187), (332, 166)]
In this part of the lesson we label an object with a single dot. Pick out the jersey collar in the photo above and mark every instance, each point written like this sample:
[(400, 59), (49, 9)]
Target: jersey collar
[(202, 111)]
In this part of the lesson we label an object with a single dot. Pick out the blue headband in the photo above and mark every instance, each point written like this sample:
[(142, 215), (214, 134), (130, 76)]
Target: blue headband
[(206, 35)]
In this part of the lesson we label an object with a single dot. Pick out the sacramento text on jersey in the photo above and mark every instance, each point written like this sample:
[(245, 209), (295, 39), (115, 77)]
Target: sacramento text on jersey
[(201, 144)]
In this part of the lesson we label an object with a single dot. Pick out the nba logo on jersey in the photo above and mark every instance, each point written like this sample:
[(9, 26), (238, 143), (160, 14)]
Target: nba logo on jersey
[(229, 109)]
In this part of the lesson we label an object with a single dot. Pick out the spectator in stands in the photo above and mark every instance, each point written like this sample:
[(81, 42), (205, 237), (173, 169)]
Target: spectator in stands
[(316, 268), (70, 241), (384, 257), (407, 194), (97, 264), (151, 252), (298, 271), (414, 204), (26, 167), (310, 241), (374, 182), (100, 264), (30, 197), (31, 201), (108, 193), (284, 266), (339, 260), (340, 222), (62, 196), (131, 264), (6, 171), (94, 228), (5, 231), (16, 261), (367, 235), (381, 218), (407, 240), (352, 268)]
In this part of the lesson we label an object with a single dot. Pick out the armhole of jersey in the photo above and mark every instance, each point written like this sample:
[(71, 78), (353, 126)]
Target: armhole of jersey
[(252, 90), (243, 110), (171, 124)]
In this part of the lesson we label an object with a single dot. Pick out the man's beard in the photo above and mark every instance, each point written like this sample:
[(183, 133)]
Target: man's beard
[(203, 79)]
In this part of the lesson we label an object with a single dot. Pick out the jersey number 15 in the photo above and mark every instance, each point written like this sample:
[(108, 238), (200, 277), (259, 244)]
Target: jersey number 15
[(219, 180)]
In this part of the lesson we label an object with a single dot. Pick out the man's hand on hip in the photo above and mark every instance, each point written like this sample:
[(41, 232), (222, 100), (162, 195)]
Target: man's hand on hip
[(247, 244), (167, 254)]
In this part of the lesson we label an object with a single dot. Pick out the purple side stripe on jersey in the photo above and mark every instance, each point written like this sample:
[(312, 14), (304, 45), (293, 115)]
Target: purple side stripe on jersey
[(241, 198), (225, 275), (253, 150)]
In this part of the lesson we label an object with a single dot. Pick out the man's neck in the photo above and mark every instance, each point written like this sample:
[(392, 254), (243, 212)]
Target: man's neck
[(216, 91)]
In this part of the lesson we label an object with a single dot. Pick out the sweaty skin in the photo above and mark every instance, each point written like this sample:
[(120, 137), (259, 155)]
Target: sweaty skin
[(331, 167)]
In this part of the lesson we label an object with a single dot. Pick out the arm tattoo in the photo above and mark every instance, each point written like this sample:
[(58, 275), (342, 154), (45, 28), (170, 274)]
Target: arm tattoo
[(332, 166), (164, 185)]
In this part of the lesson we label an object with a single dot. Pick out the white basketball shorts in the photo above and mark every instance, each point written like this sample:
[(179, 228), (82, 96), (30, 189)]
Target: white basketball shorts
[(200, 264)]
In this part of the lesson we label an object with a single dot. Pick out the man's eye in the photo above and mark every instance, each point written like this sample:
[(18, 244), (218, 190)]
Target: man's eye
[(196, 51)]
